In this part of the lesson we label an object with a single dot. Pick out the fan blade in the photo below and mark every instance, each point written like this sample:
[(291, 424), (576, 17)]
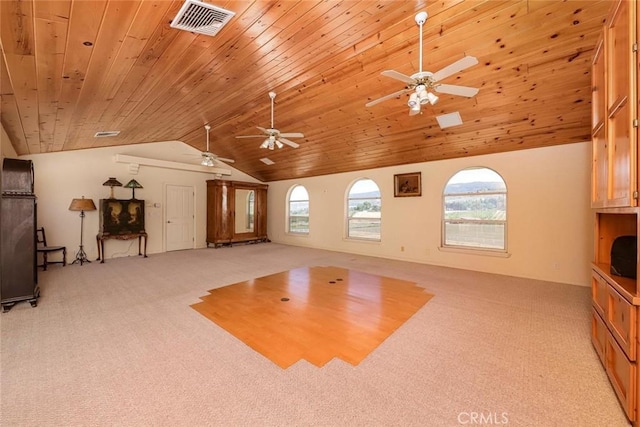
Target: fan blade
[(250, 136), (384, 98), (263, 130), (398, 76), (222, 159), (292, 135), (456, 90), (459, 65), (289, 143)]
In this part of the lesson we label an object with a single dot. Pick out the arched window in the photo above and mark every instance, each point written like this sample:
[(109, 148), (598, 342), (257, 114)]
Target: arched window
[(363, 210), (475, 210), (298, 210)]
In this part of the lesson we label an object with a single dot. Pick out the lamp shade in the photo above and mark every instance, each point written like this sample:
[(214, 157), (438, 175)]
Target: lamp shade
[(112, 182), (133, 184), (82, 205)]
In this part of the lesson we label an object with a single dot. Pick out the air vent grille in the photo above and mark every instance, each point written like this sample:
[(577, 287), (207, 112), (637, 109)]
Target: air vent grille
[(201, 18), (449, 120), (267, 161), (106, 133)]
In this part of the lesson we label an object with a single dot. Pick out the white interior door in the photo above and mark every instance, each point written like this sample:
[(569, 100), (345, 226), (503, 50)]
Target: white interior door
[(179, 226)]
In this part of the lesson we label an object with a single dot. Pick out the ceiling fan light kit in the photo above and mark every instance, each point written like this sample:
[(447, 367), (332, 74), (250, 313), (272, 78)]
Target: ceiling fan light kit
[(275, 138), (423, 83)]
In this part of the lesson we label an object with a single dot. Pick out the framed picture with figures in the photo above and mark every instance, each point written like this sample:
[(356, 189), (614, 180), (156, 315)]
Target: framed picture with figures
[(407, 184)]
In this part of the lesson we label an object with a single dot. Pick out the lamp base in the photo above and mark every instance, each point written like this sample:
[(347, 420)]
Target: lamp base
[(81, 256)]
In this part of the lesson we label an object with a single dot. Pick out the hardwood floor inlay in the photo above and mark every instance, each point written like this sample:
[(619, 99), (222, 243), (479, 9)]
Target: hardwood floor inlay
[(313, 313)]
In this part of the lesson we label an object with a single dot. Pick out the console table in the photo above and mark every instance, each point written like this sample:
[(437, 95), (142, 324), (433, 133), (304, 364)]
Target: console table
[(101, 237)]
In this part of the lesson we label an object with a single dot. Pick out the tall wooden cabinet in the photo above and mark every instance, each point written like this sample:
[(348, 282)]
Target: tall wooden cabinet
[(236, 212), (615, 318), (18, 208), (614, 106)]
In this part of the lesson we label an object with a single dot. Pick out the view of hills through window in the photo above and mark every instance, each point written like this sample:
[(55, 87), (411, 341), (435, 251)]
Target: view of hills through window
[(475, 210)]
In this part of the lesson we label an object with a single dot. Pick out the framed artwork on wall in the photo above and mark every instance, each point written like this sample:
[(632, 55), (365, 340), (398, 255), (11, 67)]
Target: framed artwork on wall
[(407, 184)]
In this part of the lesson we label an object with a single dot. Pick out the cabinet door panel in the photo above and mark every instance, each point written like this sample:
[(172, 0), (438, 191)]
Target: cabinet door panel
[(621, 319), (620, 53), (598, 335), (621, 161), (622, 374), (621, 134), (599, 293), (600, 172), (598, 87)]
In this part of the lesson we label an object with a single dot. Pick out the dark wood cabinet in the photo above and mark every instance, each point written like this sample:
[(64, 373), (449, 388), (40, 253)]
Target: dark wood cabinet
[(18, 235), (236, 212), (121, 220)]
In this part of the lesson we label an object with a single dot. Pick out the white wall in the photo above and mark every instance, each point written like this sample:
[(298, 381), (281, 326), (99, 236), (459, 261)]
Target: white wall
[(550, 233), (63, 176), (549, 220)]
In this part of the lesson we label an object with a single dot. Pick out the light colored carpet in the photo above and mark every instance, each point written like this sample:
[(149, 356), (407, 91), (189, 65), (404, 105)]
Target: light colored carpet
[(117, 344)]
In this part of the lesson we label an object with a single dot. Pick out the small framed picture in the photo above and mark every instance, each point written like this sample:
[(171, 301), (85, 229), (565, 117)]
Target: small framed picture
[(407, 184)]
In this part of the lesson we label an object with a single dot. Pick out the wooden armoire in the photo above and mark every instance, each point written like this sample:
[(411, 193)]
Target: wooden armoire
[(18, 275), (236, 212)]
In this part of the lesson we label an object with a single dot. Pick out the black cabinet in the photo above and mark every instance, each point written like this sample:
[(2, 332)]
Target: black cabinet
[(18, 272)]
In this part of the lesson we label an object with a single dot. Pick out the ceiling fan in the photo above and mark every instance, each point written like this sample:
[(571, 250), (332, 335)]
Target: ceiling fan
[(423, 81), (274, 137), (208, 158)]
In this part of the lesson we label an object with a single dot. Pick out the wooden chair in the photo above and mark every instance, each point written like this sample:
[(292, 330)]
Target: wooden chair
[(45, 249)]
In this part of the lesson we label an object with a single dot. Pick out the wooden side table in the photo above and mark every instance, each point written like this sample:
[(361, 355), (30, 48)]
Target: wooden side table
[(101, 237)]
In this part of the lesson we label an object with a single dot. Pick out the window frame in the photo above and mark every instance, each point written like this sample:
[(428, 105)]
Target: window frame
[(289, 216), (349, 220), (503, 222)]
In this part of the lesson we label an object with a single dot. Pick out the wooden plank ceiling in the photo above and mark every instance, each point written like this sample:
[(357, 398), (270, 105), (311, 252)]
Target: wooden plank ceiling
[(72, 68)]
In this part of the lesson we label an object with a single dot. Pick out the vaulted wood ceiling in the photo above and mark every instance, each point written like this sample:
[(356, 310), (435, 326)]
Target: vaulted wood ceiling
[(73, 68)]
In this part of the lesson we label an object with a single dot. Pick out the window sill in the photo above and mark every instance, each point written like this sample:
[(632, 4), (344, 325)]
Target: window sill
[(481, 252), (361, 240), (292, 233)]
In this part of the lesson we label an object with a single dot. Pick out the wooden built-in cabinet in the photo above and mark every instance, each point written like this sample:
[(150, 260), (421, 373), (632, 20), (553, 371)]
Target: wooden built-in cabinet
[(236, 212), (614, 199), (614, 107), (615, 301)]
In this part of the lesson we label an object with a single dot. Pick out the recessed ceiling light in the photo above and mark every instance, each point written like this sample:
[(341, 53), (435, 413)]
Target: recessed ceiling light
[(267, 161), (449, 120)]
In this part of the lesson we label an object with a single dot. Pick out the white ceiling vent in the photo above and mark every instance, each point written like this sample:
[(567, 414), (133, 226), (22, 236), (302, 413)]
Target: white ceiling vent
[(201, 18), (106, 133), (267, 161), (449, 120)]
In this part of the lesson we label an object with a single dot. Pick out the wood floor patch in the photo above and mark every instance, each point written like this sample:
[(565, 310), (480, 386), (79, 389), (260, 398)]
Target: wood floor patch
[(313, 313)]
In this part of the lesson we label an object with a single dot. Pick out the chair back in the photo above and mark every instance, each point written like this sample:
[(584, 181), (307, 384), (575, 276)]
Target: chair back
[(41, 238)]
